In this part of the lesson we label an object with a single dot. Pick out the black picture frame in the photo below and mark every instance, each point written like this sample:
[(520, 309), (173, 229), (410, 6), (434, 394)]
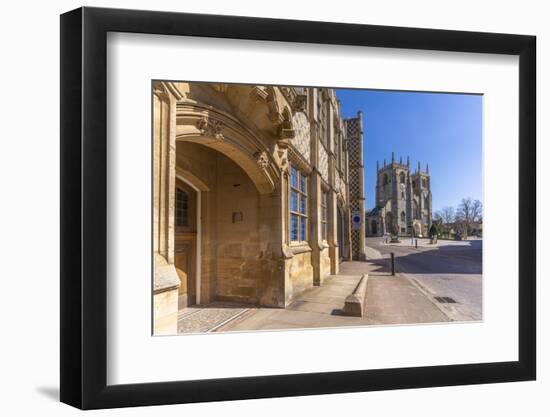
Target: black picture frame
[(84, 207)]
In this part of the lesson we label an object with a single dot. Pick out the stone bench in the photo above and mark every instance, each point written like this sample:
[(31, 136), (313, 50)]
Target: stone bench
[(355, 302)]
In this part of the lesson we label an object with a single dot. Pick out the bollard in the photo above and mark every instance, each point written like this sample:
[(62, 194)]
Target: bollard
[(392, 263), (416, 243)]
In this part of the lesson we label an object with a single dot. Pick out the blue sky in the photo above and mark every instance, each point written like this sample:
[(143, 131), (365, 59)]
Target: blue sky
[(444, 130)]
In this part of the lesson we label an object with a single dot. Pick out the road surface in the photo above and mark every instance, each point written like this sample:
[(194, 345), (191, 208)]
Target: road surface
[(449, 269)]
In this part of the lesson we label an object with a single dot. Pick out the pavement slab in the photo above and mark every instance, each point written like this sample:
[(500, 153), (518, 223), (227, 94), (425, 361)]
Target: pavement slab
[(390, 300)]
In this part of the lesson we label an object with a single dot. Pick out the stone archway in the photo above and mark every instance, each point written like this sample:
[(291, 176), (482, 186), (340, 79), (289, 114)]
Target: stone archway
[(389, 222), (236, 231), (224, 133), (374, 228)]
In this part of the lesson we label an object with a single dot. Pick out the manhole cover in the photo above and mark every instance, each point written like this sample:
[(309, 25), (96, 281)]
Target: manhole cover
[(445, 299)]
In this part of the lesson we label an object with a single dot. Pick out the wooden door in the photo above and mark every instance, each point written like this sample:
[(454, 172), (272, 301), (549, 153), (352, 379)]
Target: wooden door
[(185, 248)]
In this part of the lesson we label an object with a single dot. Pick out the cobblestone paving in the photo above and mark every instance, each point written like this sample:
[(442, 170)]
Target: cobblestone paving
[(206, 318)]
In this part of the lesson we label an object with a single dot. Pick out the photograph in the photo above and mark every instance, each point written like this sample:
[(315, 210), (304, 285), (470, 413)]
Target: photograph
[(279, 207)]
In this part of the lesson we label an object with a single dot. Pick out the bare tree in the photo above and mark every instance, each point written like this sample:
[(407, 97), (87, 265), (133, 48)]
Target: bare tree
[(477, 211), (447, 216), (468, 212)]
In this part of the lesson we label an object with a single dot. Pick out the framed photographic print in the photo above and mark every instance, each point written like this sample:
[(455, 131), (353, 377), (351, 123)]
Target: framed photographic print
[(257, 208)]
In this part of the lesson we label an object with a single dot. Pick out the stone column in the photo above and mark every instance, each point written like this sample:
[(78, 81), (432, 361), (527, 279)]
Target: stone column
[(315, 225), (166, 282), (332, 232)]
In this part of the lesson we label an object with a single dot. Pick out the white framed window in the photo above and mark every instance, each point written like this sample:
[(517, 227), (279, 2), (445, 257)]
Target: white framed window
[(298, 205)]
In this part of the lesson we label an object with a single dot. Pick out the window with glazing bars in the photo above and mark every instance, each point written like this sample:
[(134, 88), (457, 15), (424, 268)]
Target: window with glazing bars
[(182, 208), (298, 205)]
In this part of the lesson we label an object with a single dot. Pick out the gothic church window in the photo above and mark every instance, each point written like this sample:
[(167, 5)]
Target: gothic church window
[(402, 217), (402, 178), (385, 179), (298, 205)]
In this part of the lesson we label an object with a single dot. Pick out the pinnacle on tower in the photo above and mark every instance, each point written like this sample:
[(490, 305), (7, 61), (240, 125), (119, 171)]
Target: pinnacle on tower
[(418, 166), (384, 163), (408, 161), (400, 160), (427, 168), (392, 158)]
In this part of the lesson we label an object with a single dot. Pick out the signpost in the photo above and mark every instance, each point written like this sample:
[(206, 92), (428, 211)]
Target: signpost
[(356, 220)]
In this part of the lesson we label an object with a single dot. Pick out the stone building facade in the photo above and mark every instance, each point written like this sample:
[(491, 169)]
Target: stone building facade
[(251, 194), (403, 200)]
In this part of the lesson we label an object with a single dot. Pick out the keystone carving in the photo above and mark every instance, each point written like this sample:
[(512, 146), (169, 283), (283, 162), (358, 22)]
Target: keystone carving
[(262, 159), (210, 127)]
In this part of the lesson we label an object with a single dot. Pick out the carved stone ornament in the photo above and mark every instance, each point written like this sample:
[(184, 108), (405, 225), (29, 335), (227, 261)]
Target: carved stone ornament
[(210, 127), (262, 159), (258, 94), (300, 102), (289, 93)]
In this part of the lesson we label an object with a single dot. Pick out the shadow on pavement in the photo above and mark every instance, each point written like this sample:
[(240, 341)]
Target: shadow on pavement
[(443, 259)]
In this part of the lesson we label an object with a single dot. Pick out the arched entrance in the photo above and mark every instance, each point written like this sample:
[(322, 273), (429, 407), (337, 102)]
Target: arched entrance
[(373, 228), (233, 230), (389, 222)]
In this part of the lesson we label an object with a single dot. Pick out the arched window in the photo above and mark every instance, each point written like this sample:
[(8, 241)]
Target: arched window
[(416, 214), (385, 179), (402, 178), (423, 182), (426, 202), (403, 217)]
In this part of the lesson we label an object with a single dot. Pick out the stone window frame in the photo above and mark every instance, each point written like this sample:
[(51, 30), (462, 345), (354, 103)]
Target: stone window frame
[(179, 210), (301, 213)]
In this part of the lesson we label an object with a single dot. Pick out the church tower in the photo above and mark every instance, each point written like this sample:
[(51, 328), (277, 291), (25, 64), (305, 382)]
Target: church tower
[(403, 200)]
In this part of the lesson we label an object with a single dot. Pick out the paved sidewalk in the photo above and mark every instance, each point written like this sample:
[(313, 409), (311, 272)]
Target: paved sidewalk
[(207, 318), (390, 300)]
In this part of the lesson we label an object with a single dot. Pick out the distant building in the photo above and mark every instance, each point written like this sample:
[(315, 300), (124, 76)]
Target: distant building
[(403, 200)]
